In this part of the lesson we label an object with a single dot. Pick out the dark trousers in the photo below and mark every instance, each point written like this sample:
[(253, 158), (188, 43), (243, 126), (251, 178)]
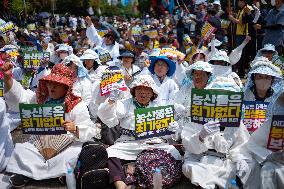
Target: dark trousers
[(116, 170)]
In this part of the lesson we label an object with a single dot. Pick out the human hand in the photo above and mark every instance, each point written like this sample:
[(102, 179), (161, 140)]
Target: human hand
[(69, 126), (7, 69), (88, 21), (209, 129), (242, 168)]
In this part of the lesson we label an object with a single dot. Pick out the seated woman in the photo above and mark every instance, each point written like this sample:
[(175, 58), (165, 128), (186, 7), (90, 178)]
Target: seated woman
[(92, 63), (212, 152), (199, 75), (56, 88), (6, 143), (162, 69), (262, 81), (82, 86), (269, 154), (113, 111), (127, 65)]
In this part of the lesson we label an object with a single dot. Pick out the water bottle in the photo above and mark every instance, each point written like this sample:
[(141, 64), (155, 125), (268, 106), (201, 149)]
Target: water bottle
[(157, 179), (233, 184), (70, 177)]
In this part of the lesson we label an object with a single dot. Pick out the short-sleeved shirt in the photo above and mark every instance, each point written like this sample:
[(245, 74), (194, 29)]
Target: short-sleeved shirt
[(275, 36)]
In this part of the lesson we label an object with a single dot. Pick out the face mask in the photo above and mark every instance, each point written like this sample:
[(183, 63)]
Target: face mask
[(273, 3), (63, 56), (221, 70), (262, 84)]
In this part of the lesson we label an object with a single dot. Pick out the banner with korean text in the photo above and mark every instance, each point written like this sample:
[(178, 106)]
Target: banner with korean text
[(153, 122), (112, 78), (32, 58), (213, 104), (276, 136), (42, 119), (254, 114)]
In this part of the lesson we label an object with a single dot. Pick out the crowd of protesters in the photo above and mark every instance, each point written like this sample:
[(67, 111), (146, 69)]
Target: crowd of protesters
[(243, 53)]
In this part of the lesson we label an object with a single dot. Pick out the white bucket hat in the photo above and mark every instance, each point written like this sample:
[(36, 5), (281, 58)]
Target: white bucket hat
[(200, 65), (90, 55), (146, 81), (220, 56)]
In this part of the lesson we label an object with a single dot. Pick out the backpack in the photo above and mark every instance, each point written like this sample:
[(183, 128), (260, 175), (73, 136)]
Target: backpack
[(91, 169), (148, 160)]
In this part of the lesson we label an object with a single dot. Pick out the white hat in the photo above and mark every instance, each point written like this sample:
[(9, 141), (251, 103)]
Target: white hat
[(217, 2), (217, 43), (72, 58), (262, 65), (64, 47), (146, 81), (198, 2), (221, 56), (200, 65), (268, 47), (90, 55)]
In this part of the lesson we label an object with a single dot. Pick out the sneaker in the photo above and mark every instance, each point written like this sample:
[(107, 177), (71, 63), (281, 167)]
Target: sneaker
[(18, 181)]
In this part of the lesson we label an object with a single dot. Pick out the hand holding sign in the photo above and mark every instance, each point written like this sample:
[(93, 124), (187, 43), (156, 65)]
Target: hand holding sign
[(71, 127), (209, 129)]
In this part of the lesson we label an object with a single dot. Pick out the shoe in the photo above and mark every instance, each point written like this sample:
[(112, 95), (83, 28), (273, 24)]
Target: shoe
[(18, 181)]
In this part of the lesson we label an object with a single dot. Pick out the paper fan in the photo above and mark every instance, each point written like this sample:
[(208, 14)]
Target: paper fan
[(51, 145)]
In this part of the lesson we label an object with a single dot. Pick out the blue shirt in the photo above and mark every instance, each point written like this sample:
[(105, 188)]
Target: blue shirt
[(275, 36)]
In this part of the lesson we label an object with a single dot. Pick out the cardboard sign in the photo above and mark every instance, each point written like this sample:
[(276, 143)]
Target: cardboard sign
[(211, 105), (254, 114), (43, 119), (207, 30), (153, 122), (9, 26), (136, 31), (151, 33), (32, 58), (1, 88), (276, 135), (109, 79)]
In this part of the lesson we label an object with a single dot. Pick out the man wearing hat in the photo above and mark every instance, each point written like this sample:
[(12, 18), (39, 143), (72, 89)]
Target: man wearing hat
[(107, 42)]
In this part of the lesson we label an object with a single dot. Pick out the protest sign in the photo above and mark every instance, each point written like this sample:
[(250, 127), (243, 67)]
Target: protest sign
[(136, 31), (29, 48), (254, 114), (151, 33), (42, 119), (102, 32), (9, 26), (108, 80), (207, 30), (1, 88), (171, 53), (213, 104), (153, 122), (64, 37), (276, 135), (32, 58)]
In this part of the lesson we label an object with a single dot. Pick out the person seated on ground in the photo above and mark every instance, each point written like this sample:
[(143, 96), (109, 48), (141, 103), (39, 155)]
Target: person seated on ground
[(144, 94), (222, 67), (61, 52), (92, 63), (82, 86), (262, 81), (6, 143), (106, 43), (270, 52), (162, 69), (267, 150), (127, 65), (199, 75), (211, 151), (26, 161)]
